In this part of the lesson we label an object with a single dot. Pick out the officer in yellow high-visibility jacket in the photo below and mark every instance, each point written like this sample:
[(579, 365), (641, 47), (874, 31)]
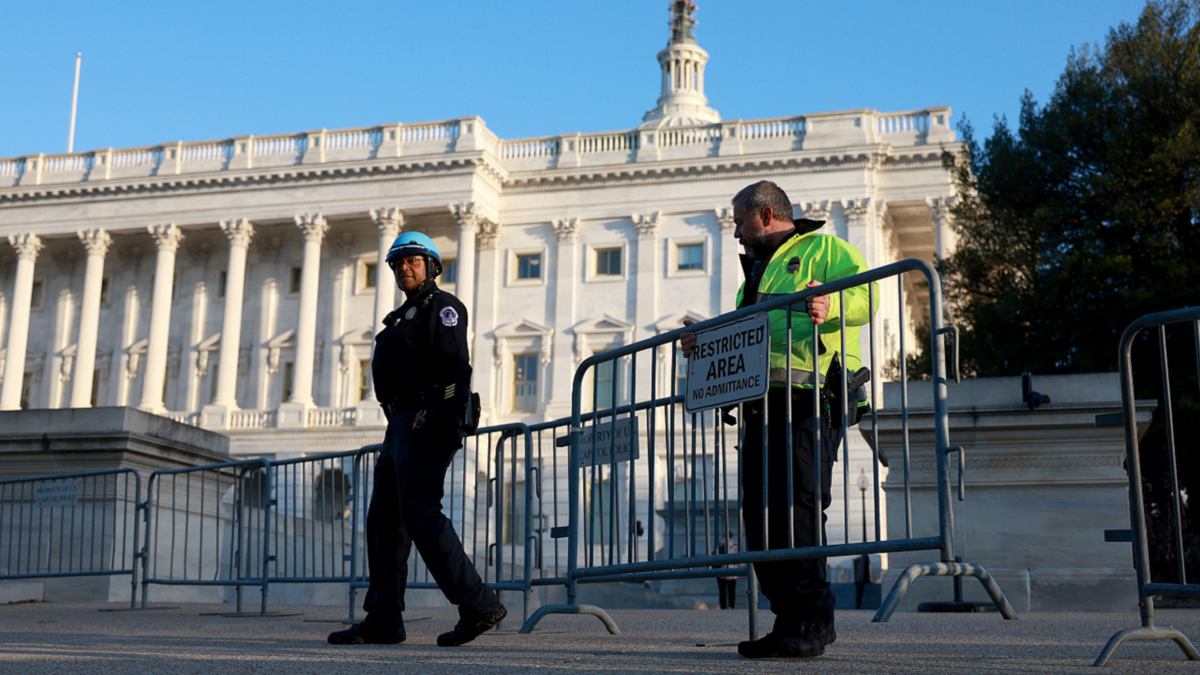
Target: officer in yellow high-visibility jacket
[(784, 257)]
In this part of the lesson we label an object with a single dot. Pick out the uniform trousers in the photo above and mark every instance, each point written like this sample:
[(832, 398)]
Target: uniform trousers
[(797, 589), (406, 509)]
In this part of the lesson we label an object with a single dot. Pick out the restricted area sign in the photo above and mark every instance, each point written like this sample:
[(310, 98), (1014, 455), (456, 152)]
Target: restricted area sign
[(729, 364)]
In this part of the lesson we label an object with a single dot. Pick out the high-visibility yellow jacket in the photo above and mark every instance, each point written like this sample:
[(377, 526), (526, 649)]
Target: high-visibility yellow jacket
[(801, 258)]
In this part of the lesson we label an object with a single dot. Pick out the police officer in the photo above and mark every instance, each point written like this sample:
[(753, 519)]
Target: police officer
[(784, 257), (422, 376)]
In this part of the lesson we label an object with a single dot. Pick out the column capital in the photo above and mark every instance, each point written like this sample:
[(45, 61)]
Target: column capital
[(471, 214), (313, 226), (816, 210), (567, 230), (28, 245), (389, 220), (857, 211), (96, 241), (238, 230), (725, 217), (167, 236), (647, 224), (939, 209), (489, 235)]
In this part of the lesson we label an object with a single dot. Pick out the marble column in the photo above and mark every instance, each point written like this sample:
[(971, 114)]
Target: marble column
[(96, 242), (566, 280), (27, 245), (239, 231), (167, 238), (314, 227), (728, 249), (483, 321), (468, 217), (944, 239), (389, 221)]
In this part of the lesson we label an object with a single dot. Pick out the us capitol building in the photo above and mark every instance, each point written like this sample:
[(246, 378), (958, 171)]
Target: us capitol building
[(237, 284)]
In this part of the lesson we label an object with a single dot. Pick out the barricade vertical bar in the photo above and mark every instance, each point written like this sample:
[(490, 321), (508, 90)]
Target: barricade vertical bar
[(875, 403), (791, 442), (267, 515), (845, 399), (818, 470), (652, 448), (904, 412), (1172, 462), (670, 497), (631, 530)]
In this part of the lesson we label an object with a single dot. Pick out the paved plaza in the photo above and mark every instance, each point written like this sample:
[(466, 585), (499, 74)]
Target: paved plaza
[(81, 639)]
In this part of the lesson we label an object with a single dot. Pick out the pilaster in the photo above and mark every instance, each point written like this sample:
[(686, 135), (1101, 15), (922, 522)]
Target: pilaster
[(731, 266), (566, 287), (484, 320), (944, 238), (646, 283)]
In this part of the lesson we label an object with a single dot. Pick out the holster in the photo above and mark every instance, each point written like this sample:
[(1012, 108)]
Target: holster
[(831, 393)]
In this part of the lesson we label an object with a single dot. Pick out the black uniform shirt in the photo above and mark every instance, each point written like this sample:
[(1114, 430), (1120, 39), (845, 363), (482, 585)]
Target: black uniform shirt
[(422, 347)]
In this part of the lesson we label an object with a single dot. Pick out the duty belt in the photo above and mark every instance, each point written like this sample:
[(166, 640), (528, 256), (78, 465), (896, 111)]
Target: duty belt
[(410, 400)]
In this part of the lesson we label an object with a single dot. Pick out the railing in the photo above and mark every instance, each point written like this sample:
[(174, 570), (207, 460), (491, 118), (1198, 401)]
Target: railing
[(438, 131), (279, 145), (608, 142), (12, 167), (354, 138), (688, 135), (784, 127), (56, 163), (1147, 587), (529, 147), (612, 484), (331, 417), (188, 418), (137, 157), (71, 525), (252, 419), (906, 122), (219, 150)]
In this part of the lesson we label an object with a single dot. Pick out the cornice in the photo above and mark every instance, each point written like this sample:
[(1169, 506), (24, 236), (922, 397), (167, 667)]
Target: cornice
[(420, 167)]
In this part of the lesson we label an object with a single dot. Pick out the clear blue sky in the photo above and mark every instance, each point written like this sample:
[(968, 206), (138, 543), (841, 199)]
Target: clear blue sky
[(164, 71)]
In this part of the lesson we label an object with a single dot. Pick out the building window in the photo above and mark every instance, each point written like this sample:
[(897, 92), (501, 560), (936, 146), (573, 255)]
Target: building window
[(450, 271), (681, 371), (689, 257), (525, 383), (331, 496), (104, 291), (222, 279), (601, 513), (294, 280), (514, 513), (607, 382), (289, 376), (95, 398), (26, 390), (529, 266), (364, 379), (368, 276), (38, 294), (212, 380), (608, 262)]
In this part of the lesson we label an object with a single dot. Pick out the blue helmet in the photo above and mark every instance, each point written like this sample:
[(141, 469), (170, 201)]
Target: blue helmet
[(416, 243)]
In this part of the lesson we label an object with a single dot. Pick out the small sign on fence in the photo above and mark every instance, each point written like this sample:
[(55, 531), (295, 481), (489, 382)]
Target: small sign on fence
[(57, 493), (599, 443), (729, 364)]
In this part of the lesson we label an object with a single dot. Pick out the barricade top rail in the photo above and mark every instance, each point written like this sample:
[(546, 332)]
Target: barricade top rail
[(317, 458), (1157, 319), (870, 276), (209, 467), (64, 476)]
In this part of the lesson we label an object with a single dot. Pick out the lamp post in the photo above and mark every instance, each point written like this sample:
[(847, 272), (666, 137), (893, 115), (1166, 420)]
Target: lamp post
[(864, 564)]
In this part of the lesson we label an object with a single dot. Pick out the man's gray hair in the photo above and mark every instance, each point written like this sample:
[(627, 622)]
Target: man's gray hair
[(754, 197)]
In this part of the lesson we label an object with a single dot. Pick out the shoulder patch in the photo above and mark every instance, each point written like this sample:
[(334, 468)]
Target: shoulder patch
[(449, 317), (793, 265)]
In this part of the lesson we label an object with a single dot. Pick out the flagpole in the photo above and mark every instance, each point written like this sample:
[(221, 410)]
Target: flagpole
[(74, 104)]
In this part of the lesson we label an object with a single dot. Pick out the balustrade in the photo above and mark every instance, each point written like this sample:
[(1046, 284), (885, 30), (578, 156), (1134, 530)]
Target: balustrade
[(905, 122)]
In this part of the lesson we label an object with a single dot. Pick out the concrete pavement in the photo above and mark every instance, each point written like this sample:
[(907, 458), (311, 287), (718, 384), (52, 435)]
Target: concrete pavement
[(80, 639)]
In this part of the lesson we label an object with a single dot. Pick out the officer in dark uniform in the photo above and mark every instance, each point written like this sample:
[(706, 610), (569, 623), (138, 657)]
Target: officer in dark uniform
[(422, 374)]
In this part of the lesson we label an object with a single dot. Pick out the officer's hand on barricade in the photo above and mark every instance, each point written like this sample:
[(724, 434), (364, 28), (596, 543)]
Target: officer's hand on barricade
[(687, 341), (818, 305)]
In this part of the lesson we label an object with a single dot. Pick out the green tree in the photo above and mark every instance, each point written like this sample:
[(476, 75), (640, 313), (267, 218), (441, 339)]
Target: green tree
[(1086, 218)]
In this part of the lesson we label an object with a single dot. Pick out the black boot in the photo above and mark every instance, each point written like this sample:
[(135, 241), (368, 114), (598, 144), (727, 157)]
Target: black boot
[(471, 625), (763, 648), (363, 633)]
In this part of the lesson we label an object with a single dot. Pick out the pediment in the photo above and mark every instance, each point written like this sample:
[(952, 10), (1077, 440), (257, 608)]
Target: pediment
[(210, 343), (672, 321), (284, 339), (605, 324), (523, 328), (358, 336)]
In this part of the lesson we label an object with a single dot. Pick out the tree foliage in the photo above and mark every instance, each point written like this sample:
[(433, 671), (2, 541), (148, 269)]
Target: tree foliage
[(1085, 218)]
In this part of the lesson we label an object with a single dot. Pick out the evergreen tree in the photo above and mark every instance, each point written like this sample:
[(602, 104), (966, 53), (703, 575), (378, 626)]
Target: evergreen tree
[(1088, 217)]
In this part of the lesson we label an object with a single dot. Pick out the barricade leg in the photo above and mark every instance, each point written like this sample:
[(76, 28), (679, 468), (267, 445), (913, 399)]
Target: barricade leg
[(943, 569), (1134, 634), (595, 611)]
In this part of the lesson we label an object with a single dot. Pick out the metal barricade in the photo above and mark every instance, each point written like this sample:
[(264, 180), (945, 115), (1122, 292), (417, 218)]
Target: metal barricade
[(71, 525), (489, 492), (615, 481), (209, 526), (1147, 588)]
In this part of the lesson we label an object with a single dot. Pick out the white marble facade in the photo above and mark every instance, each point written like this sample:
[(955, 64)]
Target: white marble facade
[(236, 284)]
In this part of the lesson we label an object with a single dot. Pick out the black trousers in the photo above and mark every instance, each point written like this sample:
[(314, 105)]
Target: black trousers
[(727, 588), (797, 589), (406, 509)]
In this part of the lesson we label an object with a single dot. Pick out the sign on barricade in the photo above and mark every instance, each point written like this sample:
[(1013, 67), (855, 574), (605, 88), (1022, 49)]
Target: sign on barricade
[(606, 442), (729, 364), (58, 493)]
